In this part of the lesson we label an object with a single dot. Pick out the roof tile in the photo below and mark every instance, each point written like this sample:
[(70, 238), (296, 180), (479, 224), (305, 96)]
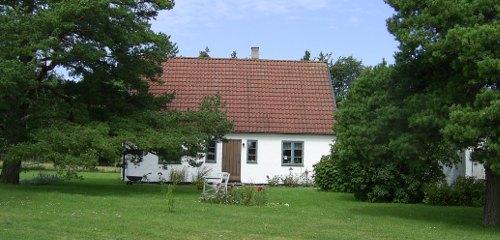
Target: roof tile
[(262, 96)]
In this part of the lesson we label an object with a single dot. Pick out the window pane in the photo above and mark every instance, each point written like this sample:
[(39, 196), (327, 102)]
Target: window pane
[(297, 160), (252, 151), (297, 153), (287, 146), (297, 146), (211, 152), (287, 156)]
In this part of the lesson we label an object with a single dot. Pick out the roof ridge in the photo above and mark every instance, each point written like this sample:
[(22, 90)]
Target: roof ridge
[(249, 59)]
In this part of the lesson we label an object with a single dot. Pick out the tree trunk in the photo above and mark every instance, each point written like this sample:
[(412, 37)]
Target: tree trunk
[(491, 215), (10, 172)]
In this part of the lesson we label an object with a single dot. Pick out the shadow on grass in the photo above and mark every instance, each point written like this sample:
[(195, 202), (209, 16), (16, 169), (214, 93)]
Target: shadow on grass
[(105, 187), (464, 217)]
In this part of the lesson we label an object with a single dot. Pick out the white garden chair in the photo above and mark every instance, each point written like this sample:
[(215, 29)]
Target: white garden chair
[(217, 183)]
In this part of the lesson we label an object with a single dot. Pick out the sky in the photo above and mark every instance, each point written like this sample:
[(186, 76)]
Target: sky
[(282, 29)]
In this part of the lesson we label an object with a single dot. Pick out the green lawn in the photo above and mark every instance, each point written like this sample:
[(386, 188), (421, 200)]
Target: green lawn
[(102, 207)]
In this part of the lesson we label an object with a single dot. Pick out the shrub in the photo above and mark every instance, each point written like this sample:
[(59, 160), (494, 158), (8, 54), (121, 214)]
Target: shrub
[(274, 181), (465, 191), (328, 177), (291, 179), (324, 173), (305, 179), (221, 198), (260, 196), (199, 177), (246, 195), (168, 192), (178, 175)]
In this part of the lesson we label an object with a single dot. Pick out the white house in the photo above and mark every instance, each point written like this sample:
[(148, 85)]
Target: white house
[(282, 112), (465, 168)]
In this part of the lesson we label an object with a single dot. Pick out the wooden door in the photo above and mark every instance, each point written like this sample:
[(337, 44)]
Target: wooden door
[(231, 159)]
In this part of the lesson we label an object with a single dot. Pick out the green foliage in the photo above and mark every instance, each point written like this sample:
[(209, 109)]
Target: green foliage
[(273, 181), (234, 55), (344, 71), (449, 52), (199, 177), (205, 54), (398, 123), (307, 56), (168, 192), (449, 56), (178, 175), (324, 57), (110, 55), (221, 198), (261, 196), (477, 126), (292, 179), (465, 191), (247, 195), (376, 156), (327, 176)]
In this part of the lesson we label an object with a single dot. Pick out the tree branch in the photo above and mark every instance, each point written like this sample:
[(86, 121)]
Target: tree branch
[(44, 71)]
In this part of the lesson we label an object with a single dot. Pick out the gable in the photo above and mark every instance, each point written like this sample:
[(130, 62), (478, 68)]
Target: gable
[(262, 96)]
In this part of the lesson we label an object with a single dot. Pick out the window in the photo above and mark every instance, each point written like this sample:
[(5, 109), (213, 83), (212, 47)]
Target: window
[(168, 157), (252, 151), (211, 156), (292, 153)]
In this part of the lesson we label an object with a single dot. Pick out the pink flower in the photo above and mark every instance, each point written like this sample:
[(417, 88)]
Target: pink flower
[(259, 188)]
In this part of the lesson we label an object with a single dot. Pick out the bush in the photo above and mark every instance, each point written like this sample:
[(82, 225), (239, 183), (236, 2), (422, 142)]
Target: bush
[(465, 191), (178, 175), (260, 197), (168, 192), (291, 179), (220, 198), (246, 195), (274, 181), (327, 176), (199, 177), (383, 183)]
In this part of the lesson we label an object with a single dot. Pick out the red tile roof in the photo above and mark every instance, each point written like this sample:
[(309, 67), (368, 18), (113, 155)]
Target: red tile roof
[(262, 96)]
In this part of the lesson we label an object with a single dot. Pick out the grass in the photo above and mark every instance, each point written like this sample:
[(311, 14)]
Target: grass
[(102, 207)]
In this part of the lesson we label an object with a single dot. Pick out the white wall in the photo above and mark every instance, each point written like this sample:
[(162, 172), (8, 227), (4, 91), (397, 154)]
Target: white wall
[(269, 154), (465, 168), (473, 169), (268, 158)]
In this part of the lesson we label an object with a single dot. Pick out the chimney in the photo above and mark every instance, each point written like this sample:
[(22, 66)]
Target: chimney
[(255, 52)]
